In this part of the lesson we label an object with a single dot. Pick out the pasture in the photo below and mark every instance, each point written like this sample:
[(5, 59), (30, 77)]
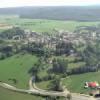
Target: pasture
[(17, 67), (75, 83), (10, 95)]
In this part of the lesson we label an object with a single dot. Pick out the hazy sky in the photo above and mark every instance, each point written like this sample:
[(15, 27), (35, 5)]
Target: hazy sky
[(14, 3)]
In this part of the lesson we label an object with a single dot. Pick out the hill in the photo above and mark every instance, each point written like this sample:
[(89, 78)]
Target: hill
[(16, 67), (85, 13)]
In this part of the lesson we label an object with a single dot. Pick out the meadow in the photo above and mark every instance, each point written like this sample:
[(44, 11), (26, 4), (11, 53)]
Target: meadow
[(10, 95), (17, 67), (75, 83)]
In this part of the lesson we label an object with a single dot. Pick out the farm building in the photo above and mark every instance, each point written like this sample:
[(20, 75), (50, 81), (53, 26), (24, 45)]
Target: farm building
[(91, 84)]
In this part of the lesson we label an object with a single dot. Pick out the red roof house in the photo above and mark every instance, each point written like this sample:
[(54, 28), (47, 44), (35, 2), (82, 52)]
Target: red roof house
[(91, 84)]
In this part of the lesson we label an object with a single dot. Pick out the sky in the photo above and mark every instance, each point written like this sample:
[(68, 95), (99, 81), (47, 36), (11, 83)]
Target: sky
[(17, 3)]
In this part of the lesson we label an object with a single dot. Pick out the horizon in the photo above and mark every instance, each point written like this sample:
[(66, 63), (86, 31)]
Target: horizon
[(52, 6), (46, 3)]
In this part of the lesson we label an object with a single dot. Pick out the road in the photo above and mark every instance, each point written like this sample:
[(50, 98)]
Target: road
[(76, 96), (33, 89)]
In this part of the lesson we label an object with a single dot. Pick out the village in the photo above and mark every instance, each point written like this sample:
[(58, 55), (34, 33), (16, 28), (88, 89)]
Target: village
[(60, 43), (59, 35)]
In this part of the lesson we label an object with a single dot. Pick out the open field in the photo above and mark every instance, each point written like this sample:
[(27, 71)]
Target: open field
[(10, 95), (40, 25), (75, 83), (16, 67)]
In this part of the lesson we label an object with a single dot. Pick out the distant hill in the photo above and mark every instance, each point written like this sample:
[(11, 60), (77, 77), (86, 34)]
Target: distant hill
[(85, 13)]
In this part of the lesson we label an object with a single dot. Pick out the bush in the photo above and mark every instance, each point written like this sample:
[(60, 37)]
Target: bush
[(2, 56)]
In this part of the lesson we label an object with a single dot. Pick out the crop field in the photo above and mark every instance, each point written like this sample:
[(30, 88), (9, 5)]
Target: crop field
[(16, 67), (40, 25)]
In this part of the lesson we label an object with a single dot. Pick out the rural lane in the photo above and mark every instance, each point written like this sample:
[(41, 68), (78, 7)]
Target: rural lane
[(35, 90)]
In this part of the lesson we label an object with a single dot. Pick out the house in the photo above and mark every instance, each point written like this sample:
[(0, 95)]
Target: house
[(91, 84)]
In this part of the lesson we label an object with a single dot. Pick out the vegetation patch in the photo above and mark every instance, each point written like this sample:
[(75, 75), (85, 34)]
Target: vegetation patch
[(16, 67)]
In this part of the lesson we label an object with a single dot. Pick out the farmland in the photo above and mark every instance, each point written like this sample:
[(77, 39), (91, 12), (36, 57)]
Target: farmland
[(40, 25)]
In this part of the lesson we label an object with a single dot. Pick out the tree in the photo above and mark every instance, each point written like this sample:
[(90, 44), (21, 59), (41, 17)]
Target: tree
[(63, 48), (60, 66), (12, 32), (33, 71), (56, 84)]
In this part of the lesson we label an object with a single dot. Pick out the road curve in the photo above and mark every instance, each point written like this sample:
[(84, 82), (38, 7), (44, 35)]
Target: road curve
[(75, 96), (34, 90)]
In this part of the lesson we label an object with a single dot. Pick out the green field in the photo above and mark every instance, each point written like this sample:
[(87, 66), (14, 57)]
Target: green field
[(40, 25), (16, 67), (43, 85), (9, 95), (75, 83), (76, 65)]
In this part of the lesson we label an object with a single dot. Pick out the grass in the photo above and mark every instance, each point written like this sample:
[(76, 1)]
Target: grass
[(76, 65), (40, 25), (17, 67), (71, 61), (10, 95), (75, 83), (68, 58), (43, 85)]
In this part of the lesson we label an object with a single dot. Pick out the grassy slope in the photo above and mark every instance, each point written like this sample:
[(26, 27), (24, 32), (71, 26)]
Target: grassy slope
[(17, 67), (9, 95), (75, 83)]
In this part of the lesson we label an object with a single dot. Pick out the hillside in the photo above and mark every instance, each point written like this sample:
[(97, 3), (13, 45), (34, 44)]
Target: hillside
[(86, 13), (17, 67)]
